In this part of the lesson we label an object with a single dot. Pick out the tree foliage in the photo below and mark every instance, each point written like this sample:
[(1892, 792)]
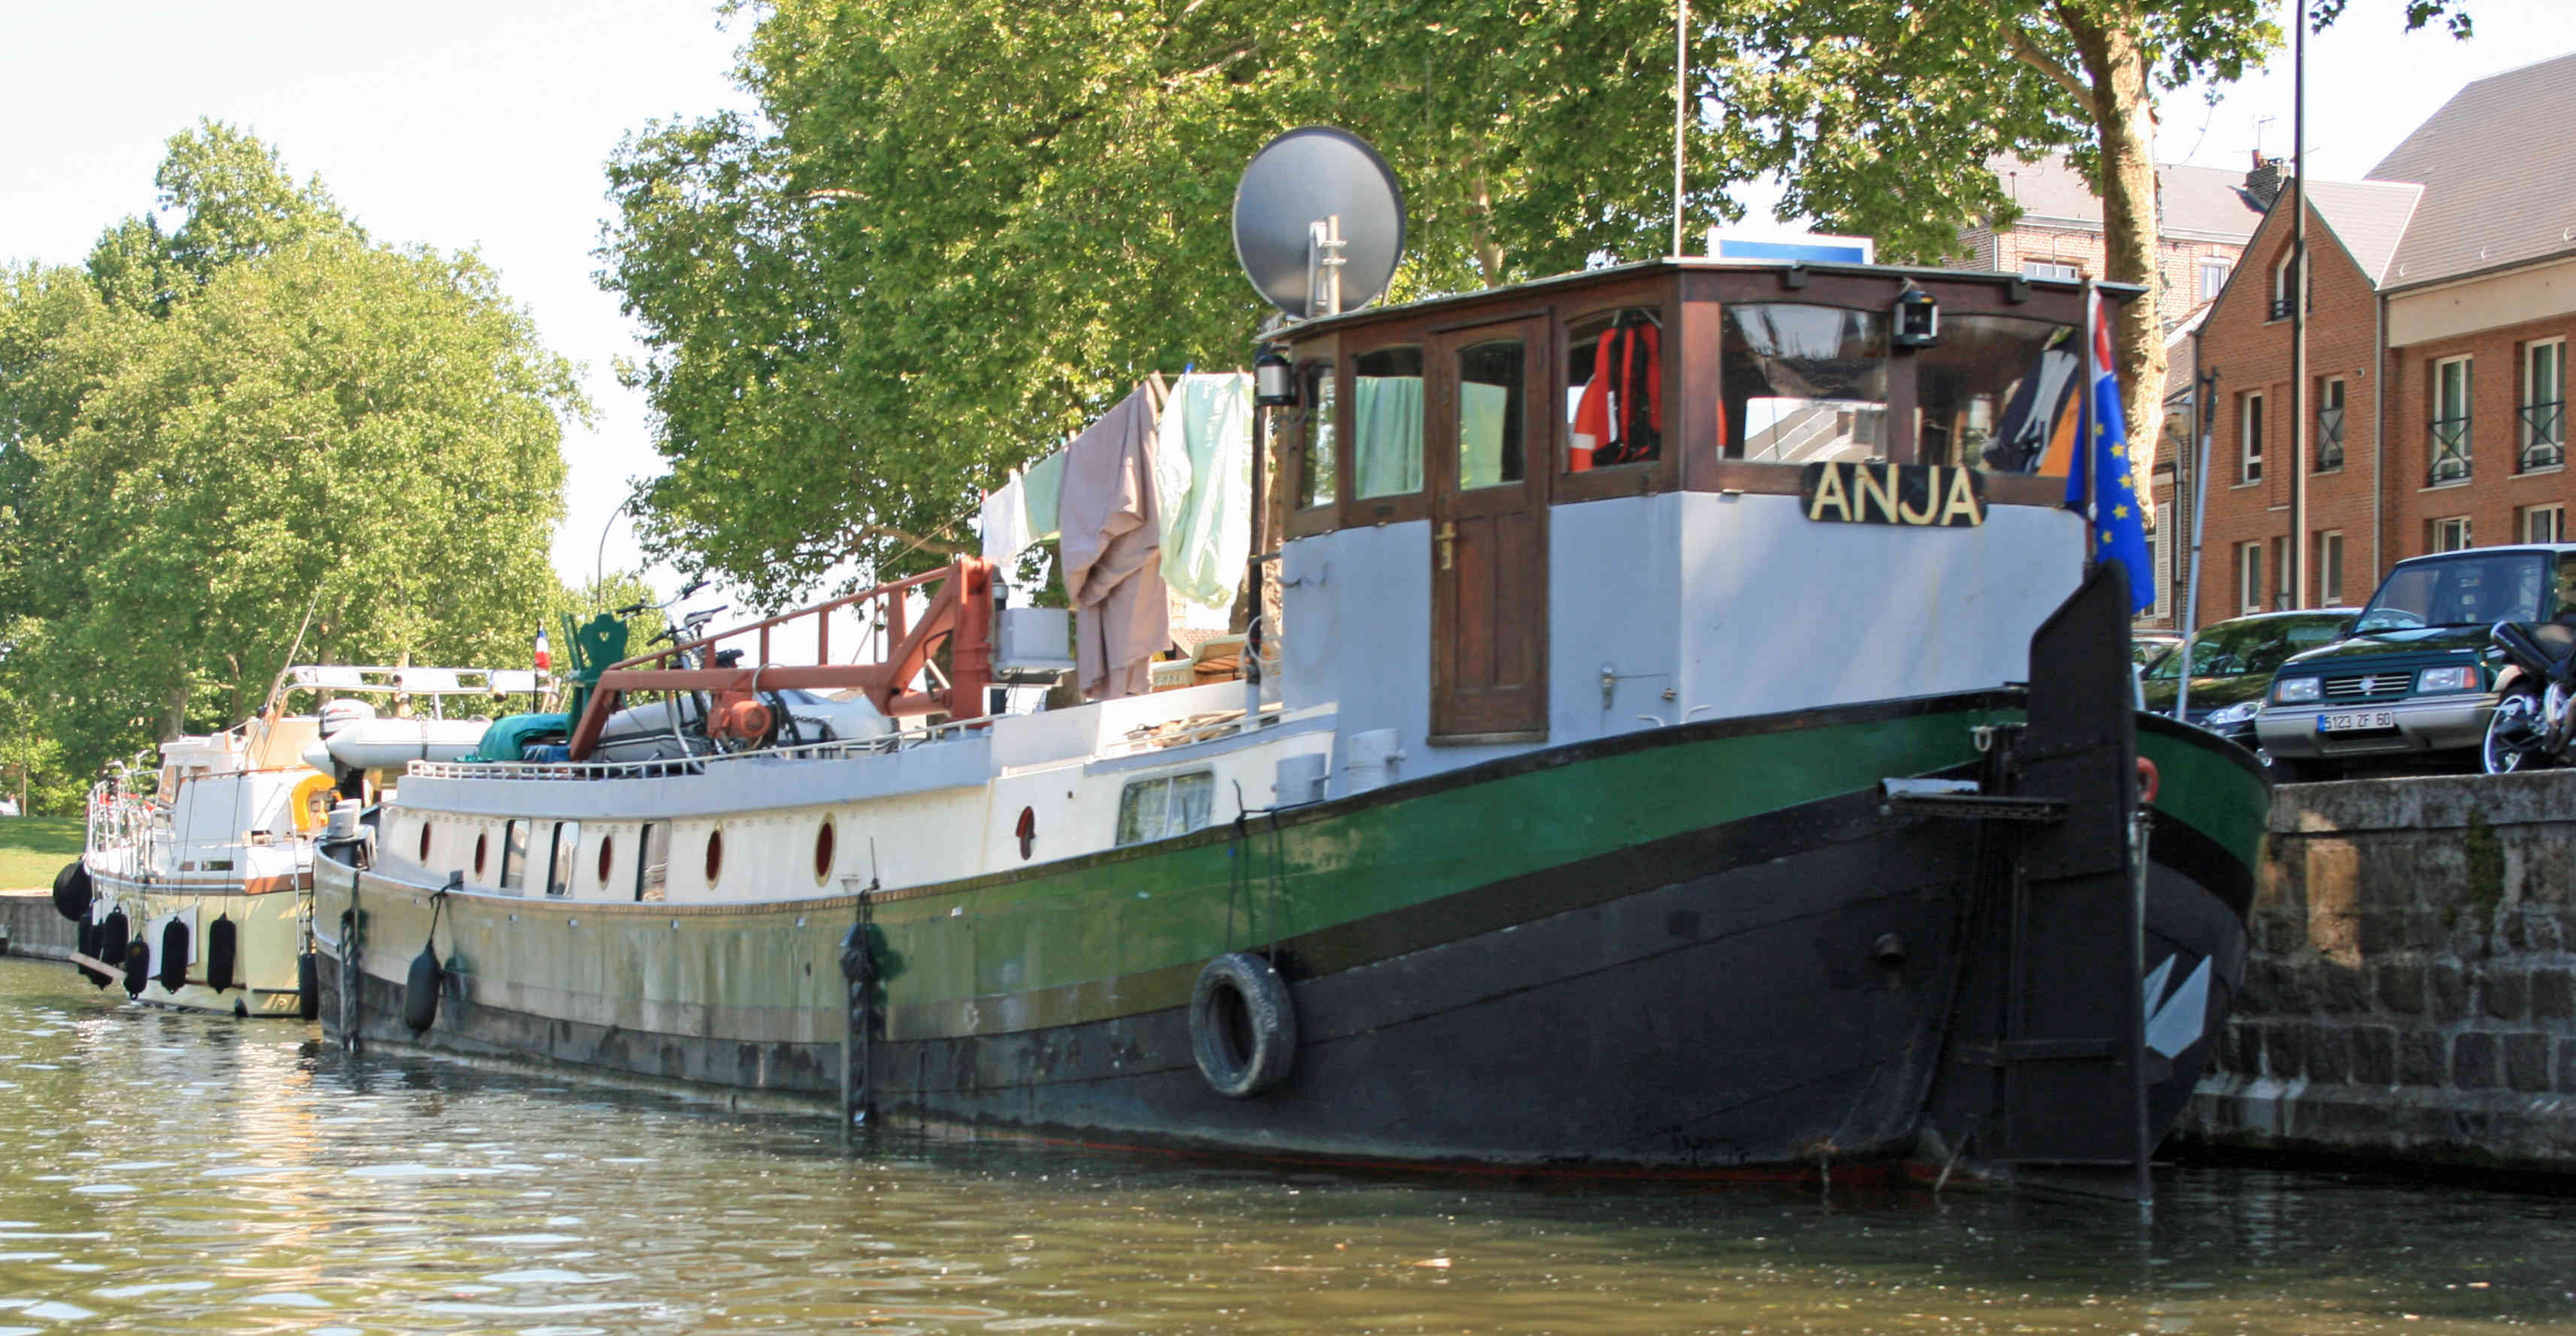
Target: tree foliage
[(257, 422), (968, 226)]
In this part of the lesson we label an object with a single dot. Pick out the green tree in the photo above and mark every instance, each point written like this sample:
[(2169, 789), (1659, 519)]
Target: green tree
[(309, 426)]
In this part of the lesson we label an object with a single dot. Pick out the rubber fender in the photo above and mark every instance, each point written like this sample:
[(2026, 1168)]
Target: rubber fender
[(1243, 1025), (88, 944), (138, 966), (111, 939), (420, 991), (174, 956), (223, 941), (73, 893), (308, 986)]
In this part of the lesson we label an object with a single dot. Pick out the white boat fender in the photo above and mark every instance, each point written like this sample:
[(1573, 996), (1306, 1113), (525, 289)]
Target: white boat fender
[(174, 955), (222, 941), (1243, 1025), (73, 893), (1374, 757)]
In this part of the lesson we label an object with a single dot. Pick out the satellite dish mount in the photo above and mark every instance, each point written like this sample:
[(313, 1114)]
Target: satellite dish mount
[(1324, 263)]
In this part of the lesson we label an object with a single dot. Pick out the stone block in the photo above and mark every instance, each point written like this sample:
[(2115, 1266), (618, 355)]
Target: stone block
[(2423, 1057), (2553, 994), (2325, 1050), (2473, 1060), (2526, 1062), (2567, 1066), (2340, 991), (2265, 991), (2233, 1054), (2424, 930), (2374, 1055), (2505, 992), (2450, 990), (2401, 987), (2382, 930)]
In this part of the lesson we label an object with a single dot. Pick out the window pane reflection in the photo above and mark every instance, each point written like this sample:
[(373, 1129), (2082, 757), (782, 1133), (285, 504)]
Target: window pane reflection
[(1315, 481), (1386, 422), (1997, 393), (1489, 414), (1805, 382)]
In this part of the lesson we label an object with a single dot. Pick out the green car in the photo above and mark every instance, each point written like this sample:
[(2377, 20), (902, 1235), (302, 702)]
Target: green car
[(2414, 681), (2233, 661)]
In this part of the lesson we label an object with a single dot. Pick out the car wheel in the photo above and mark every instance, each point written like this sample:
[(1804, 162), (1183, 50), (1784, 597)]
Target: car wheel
[(2514, 734)]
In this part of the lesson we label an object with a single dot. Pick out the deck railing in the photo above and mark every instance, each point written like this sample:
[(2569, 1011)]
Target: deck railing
[(2447, 446)]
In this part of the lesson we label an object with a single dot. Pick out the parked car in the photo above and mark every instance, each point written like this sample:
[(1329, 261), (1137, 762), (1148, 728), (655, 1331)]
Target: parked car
[(2413, 682), (2146, 647), (2232, 662)]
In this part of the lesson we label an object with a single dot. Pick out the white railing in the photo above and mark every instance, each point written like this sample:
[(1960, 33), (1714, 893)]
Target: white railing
[(668, 766)]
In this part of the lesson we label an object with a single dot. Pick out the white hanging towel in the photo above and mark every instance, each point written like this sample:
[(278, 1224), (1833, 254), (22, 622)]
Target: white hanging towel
[(1203, 477), (1006, 524)]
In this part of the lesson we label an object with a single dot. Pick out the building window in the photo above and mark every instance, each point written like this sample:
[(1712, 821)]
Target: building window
[(2330, 425), (2282, 596), (2064, 273), (2249, 578), (2452, 534), (2544, 524), (2447, 439), (2329, 568), (2213, 276), (2284, 280), (2249, 432), (2160, 560), (2544, 405)]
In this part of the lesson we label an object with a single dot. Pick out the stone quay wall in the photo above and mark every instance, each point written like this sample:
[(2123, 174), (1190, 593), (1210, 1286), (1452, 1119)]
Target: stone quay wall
[(2410, 994), (32, 928)]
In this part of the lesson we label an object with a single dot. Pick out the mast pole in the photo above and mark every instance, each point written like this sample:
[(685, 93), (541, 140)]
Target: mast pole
[(2297, 565), (1681, 108)]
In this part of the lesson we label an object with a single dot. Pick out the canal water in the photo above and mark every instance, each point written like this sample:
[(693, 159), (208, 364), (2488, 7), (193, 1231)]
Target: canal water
[(170, 1173)]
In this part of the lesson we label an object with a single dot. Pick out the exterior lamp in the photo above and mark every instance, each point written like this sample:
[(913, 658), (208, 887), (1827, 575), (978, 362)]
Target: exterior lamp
[(1916, 321), (1272, 384)]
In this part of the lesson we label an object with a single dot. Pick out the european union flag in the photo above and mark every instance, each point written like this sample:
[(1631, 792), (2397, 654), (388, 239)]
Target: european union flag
[(2118, 528)]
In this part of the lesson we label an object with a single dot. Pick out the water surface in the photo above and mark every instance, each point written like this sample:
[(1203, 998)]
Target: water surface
[(175, 1173)]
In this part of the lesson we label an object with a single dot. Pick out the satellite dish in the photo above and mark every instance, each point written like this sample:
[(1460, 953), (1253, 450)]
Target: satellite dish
[(1311, 196)]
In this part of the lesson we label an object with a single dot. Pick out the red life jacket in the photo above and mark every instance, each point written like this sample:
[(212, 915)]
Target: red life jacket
[(1610, 425)]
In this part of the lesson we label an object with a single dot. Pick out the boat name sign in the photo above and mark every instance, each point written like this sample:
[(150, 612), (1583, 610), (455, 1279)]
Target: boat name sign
[(1923, 495)]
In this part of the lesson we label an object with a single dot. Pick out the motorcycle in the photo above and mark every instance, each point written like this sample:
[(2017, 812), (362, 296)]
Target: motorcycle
[(2535, 713)]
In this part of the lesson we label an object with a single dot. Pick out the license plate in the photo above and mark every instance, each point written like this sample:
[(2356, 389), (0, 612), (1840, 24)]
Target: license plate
[(2351, 721)]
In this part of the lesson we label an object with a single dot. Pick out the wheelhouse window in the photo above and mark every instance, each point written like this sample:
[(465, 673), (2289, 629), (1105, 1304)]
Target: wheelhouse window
[(1614, 390), (1998, 393), (1386, 422), (1164, 806), (1804, 383), (1317, 483), (1490, 445)]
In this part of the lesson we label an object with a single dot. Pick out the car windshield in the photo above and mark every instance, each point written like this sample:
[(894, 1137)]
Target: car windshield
[(2461, 591), (2235, 649)]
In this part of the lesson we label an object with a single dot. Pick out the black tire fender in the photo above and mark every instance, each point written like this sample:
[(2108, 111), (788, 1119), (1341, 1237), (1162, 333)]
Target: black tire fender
[(174, 956), (420, 991), (223, 940), (1243, 1025), (138, 966), (308, 986), (73, 893)]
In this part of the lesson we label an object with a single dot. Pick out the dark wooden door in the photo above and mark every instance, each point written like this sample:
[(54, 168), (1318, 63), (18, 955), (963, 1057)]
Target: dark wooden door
[(1489, 452)]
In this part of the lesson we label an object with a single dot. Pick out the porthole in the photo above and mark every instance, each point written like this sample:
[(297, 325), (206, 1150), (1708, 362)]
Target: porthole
[(482, 845), (607, 854), (823, 852), (715, 855), (424, 842)]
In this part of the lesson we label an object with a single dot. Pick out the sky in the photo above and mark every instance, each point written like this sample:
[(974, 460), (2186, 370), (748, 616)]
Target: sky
[(485, 124)]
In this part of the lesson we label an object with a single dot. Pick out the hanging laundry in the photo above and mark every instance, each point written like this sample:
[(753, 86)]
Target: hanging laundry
[(1620, 418), (1111, 543), (1006, 525), (1203, 463), (1043, 488), (1386, 424)]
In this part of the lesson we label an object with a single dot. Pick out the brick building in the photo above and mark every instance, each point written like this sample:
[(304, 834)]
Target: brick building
[(2441, 295), (2207, 217)]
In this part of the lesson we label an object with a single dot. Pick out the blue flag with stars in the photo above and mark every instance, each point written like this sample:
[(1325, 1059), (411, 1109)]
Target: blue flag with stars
[(2118, 528)]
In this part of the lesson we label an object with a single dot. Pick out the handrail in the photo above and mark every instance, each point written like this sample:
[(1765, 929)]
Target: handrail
[(664, 767)]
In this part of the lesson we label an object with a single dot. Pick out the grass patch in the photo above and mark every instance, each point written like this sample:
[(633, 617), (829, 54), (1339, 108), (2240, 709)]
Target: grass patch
[(34, 848)]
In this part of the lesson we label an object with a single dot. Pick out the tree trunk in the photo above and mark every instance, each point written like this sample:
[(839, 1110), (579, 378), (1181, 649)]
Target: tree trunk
[(2123, 107), (174, 719)]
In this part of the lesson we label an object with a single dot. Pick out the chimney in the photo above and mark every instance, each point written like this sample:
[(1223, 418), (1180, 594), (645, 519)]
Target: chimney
[(2264, 182)]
